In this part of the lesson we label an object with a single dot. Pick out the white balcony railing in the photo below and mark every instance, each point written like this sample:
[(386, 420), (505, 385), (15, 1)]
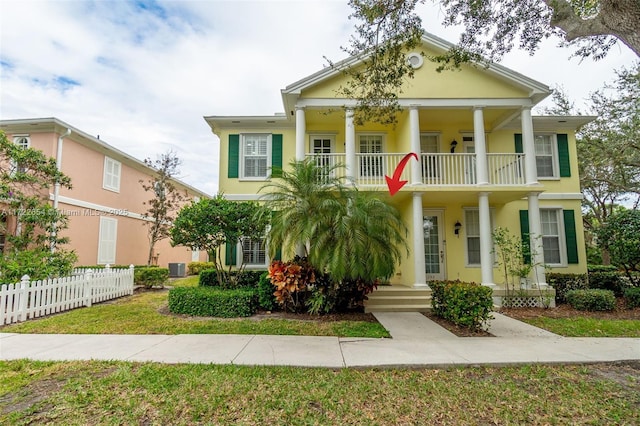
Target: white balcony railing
[(436, 169)]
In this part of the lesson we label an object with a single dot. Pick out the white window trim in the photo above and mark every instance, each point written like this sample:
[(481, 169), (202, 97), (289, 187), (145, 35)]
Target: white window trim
[(107, 258), (554, 156), (330, 136), (16, 138), (253, 266), (382, 134), (105, 185), (562, 238), (241, 176), (466, 245), (13, 166)]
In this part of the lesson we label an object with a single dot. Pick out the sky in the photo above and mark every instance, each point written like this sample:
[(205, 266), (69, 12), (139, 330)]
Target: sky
[(142, 74)]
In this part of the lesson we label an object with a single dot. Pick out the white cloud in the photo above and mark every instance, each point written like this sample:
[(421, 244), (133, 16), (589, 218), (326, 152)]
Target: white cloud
[(147, 72)]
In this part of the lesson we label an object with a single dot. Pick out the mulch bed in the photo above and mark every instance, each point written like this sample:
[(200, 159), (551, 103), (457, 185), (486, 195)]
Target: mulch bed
[(566, 311), (457, 330)]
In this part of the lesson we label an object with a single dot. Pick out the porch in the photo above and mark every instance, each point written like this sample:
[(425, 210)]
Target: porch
[(451, 170)]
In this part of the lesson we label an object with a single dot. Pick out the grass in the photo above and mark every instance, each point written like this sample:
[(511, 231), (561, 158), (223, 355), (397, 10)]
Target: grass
[(100, 393), (141, 314), (587, 327)]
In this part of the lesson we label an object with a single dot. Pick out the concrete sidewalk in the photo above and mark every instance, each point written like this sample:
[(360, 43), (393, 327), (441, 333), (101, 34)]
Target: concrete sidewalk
[(416, 342)]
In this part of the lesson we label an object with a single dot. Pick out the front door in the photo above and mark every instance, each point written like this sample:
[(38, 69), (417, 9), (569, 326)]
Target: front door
[(434, 259)]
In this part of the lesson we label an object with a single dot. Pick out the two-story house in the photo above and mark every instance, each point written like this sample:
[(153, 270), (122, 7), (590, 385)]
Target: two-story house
[(105, 207), (484, 161)]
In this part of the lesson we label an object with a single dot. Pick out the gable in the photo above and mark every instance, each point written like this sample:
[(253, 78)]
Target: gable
[(469, 82)]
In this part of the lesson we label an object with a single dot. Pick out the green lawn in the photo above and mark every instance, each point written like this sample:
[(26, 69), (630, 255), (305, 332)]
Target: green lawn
[(146, 313), (588, 327), (109, 393)]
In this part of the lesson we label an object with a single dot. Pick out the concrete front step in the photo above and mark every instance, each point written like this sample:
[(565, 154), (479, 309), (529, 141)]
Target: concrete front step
[(398, 299)]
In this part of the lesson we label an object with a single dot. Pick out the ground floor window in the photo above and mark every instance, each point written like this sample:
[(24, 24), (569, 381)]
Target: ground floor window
[(107, 240), (472, 234), (551, 232), (254, 251)]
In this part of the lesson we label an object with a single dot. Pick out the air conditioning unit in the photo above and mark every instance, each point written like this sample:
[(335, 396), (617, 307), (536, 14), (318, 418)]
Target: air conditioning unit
[(177, 270)]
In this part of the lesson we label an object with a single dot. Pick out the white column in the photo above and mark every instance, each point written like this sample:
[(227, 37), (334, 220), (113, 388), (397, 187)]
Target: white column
[(350, 145), (301, 130), (414, 129), (482, 172), (535, 238), (528, 147), (420, 274), (486, 240)]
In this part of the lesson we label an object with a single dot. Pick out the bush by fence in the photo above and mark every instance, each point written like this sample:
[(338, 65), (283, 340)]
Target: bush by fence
[(212, 302), (151, 277), (465, 304), (591, 300)]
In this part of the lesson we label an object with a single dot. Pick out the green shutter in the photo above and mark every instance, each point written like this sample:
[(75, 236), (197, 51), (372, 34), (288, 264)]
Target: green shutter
[(524, 234), (276, 155), (570, 236), (563, 155), (230, 254), (518, 142), (234, 155), (278, 255)]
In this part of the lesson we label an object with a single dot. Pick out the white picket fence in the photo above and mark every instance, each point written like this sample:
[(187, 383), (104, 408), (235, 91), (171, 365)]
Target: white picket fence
[(31, 299)]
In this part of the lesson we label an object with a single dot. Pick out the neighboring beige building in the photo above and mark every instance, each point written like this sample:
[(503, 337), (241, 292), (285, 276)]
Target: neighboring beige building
[(105, 205)]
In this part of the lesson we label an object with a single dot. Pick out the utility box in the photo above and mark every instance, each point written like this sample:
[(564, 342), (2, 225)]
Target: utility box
[(177, 270)]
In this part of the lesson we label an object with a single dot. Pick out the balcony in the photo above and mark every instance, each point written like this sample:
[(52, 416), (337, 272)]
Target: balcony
[(454, 170)]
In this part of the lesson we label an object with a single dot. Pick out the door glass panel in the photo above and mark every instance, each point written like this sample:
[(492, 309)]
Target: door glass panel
[(371, 165), (431, 245)]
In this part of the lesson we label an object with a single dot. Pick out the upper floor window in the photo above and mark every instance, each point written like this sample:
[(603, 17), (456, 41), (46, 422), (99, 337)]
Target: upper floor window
[(23, 142), (546, 156), (255, 155), (111, 178)]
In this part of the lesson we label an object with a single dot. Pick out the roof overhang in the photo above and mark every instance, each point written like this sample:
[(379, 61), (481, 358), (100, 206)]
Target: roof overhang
[(277, 121), (544, 123)]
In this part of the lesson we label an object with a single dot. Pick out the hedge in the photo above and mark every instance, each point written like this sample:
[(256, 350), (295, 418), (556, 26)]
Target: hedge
[(591, 300), (632, 297), (266, 298), (613, 281), (151, 276), (212, 302), (194, 268), (465, 304), (209, 278), (565, 282)]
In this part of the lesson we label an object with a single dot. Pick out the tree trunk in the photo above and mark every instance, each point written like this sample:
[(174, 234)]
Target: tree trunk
[(617, 18)]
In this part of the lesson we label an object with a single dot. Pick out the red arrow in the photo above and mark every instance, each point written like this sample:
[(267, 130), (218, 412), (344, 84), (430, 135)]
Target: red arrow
[(395, 184)]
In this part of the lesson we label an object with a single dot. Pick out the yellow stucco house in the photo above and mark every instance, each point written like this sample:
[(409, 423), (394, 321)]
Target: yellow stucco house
[(484, 162)]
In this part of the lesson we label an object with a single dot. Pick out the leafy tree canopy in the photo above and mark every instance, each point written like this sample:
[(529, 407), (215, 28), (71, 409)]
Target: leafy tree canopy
[(386, 29), (620, 235)]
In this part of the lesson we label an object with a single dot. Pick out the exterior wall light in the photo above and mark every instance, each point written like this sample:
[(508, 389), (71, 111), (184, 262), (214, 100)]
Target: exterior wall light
[(456, 228)]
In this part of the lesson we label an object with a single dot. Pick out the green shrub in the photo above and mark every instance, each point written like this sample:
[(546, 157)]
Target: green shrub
[(194, 268), (565, 282), (212, 302), (465, 304), (608, 281), (209, 278), (632, 297), (591, 300), (266, 299), (151, 276), (601, 268)]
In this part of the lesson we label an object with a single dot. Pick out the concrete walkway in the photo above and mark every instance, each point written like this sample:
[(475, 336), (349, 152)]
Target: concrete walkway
[(417, 342)]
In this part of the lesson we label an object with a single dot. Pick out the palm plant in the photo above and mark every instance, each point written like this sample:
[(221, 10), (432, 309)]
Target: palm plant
[(347, 233)]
